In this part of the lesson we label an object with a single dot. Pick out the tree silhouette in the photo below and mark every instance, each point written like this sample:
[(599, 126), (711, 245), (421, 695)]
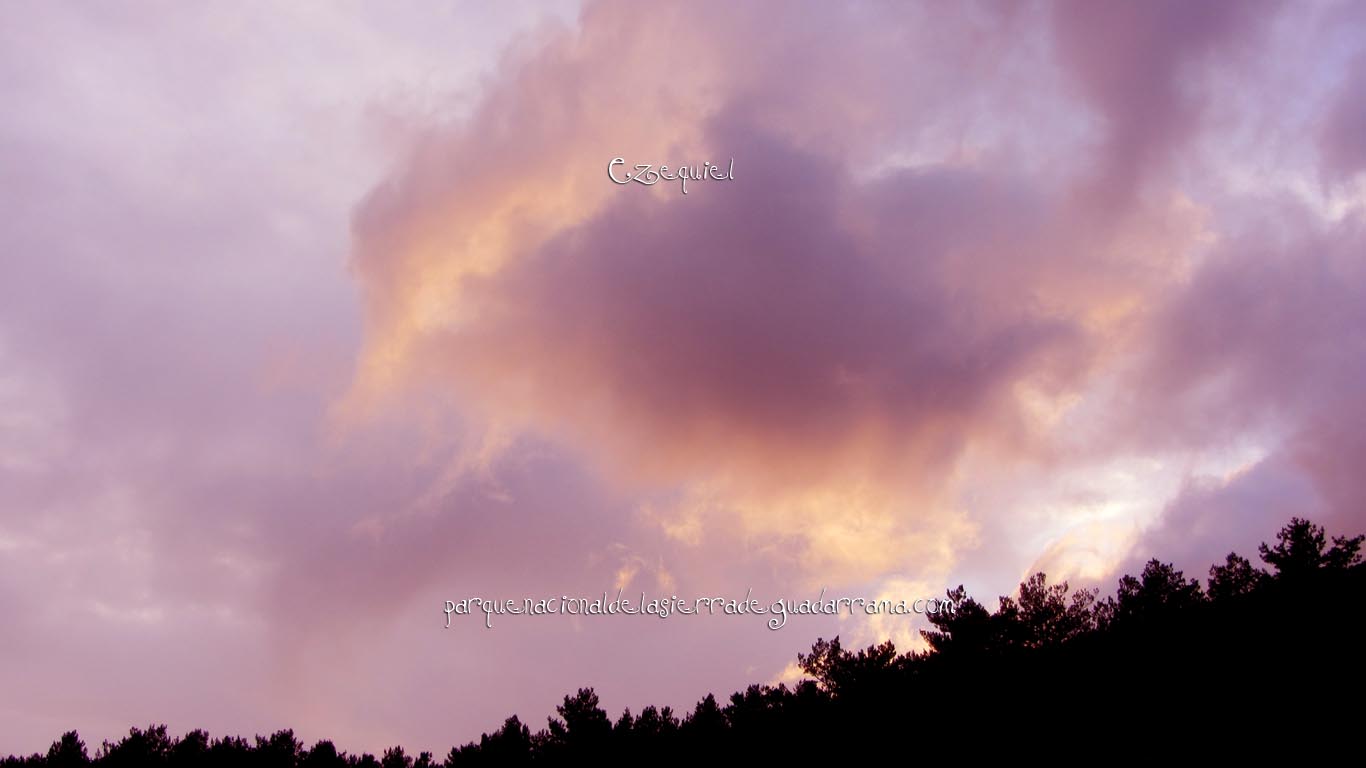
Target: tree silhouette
[(969, 629), (1044, 615), (510, 745), (1300, 550), (1114, 669), (280, 750), (229, 750), (841, 673), (1235, 577), (67, 751), (322, 755), (584, 726), (394, 757), (705, 728), (656, 724), (1159, 588), (138, 748)]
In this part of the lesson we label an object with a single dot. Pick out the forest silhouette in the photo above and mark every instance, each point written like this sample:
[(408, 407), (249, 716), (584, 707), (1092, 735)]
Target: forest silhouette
[(1255, 662)]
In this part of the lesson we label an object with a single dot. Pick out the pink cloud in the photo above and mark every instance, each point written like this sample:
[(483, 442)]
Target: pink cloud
[(993, 286)]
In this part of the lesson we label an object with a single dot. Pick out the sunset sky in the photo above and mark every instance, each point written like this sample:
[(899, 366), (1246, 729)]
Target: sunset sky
[(316, 315)]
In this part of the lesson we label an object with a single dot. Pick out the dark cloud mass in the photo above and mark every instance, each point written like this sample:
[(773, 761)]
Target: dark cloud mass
[(755, 324)]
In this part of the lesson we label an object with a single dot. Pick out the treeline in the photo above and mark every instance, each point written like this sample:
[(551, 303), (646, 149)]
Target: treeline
[(1255, 661)]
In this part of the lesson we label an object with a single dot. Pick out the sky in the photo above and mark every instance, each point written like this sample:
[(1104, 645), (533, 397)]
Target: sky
[(314, 317)]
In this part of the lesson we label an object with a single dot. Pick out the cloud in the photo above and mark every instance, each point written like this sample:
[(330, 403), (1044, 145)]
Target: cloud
[(1342, 148), (996, 286), (1140, 68), (813, 336)]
